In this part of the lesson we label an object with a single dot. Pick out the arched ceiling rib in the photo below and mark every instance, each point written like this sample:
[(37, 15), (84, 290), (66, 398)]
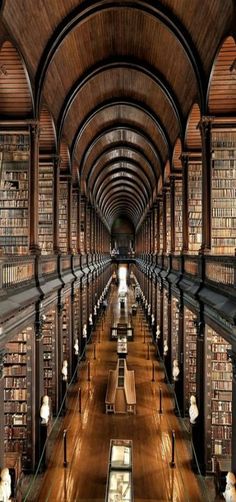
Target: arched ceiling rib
[(119, 80)]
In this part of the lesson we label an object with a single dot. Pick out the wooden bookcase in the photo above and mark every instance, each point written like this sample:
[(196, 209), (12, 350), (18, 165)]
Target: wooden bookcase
[(174, 329), (49, 356), (165, 319), (219, 396), (18, 396), (194, 206), (178, 216), (223, 192), (158, 305), (14, 193), (161, 224), (168, 222), (63, 216), (66, 330), (46, 208), (190, 356), (74, 218)]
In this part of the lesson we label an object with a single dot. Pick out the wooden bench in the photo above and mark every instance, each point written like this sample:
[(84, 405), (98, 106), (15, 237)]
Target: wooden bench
[(111, 391), (121, 394), (130, 393)]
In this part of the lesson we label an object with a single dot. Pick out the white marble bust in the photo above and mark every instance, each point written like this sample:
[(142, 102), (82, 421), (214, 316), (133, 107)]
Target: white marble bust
[(85, 331), (175, 370), (90, 319), (158, 332), (230, 492), (149, 309), (45, 410), (95, 310), (152, 319), (76, 347), (165, 348), (193, 410), (64, 370), (6, 483)]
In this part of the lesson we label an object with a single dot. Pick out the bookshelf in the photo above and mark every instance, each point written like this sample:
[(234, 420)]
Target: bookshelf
[(219, 396), (190, 356), (14, 193), (223, 192), (165, 319), (161, 225), (17, 396), (194, 206), (168, 222), (63, 216), (82, 231), (178, 216), (49, 356), (66, 329), (174, 329), (74, 218), (46, 208), (158, 309)]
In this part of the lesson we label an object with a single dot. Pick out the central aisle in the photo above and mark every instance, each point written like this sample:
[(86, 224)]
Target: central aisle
[(89, 433)]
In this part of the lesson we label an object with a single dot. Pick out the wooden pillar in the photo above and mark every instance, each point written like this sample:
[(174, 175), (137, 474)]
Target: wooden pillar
[(205, 128), (56, 188), (172, 214), (185, 162), (69, 217), (2, 355), (232, 357), (78, 224), (199, 429), (34, 188), (180, 387), (164, 221)]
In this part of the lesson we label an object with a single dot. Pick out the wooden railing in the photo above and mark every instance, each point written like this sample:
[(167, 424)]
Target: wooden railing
[(16, 269), (221, 270)]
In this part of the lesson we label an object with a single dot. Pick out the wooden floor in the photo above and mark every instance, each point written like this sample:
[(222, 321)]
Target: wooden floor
[(89, 433)]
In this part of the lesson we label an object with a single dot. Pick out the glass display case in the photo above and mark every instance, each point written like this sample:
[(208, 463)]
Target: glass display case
[(119, 479)]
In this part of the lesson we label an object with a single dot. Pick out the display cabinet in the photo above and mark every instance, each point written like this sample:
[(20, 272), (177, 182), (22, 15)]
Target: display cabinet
[(119, 479)]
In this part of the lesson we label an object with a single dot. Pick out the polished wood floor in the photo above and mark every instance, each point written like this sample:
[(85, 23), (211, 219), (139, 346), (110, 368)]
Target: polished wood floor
[(89, 432)]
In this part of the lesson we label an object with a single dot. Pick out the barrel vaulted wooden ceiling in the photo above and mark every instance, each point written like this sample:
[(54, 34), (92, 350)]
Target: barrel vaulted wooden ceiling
[(118, 86)]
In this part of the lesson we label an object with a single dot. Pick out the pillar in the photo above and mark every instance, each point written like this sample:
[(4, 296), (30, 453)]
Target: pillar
[(205, 128)]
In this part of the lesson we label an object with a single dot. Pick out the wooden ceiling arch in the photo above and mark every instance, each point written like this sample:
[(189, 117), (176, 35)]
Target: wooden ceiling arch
[(114, 194), (222, 83), (117, 169), (176, 160), (109, 184), (16, 99), (111, 154), (165, 148), (192, 134), (109, 65), (121, 210), (123, 204), (65, 162), (82, 13), (111, 131), (47, 133)]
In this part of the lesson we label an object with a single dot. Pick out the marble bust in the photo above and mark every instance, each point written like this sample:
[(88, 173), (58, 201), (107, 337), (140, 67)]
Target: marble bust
[(85, 331), (166, 348), (76, 347), (158, 332), (230, 491), (175, 370), (64, 370), (45, 410), (90, 319), (193, 410), (6, 483), (152, 319)]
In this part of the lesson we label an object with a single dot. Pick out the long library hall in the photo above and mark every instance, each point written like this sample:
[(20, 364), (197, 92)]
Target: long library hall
[(118, 250)]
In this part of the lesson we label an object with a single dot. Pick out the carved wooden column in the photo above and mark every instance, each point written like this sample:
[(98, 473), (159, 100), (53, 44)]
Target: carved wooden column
[(172, 214), (34, 188), (185, 162), (205, 128), (78, 223), (56, 188), (69, 216), (199, 429), (2, 356), (232, 357), (164, 220)]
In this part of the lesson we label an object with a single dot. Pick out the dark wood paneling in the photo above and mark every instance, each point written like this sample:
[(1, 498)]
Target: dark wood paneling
[(222, 92), (47, 139)]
